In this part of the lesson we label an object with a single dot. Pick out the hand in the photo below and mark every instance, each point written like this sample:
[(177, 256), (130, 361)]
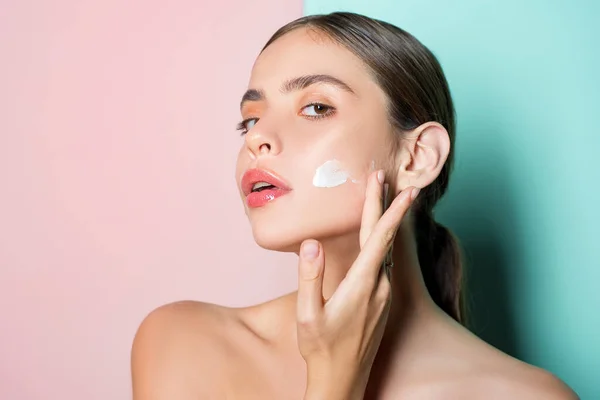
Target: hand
[(339, 338)]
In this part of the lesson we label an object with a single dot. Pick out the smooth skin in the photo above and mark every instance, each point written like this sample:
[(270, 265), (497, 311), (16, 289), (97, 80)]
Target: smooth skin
[(350, 331)]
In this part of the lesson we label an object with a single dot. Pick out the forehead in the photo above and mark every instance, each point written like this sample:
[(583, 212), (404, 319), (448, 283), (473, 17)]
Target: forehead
[(306, 51)]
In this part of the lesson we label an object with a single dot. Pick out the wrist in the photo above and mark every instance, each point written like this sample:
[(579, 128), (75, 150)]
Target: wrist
[(334, 384)]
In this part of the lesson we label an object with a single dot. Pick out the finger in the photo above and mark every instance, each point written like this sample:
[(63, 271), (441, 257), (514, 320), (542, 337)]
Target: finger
[(310, 281), (372, 208), (370, 258)]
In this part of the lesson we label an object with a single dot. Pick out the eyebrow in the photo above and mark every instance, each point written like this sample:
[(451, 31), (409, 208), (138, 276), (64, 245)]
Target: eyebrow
[(299, 83)]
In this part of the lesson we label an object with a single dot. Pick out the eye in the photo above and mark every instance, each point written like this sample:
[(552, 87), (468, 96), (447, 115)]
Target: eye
[(317, 110), (246, 125), (249, 123)]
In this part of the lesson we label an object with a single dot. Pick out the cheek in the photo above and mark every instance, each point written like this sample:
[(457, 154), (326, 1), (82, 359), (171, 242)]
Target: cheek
[(337, 193), (347, 200), (338, 207)]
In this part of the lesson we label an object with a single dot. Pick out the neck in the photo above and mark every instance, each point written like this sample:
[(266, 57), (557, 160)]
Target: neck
[(410, 298)]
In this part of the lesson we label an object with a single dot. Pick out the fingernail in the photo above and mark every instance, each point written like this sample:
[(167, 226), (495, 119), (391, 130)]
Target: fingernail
[(380, 176), (309, 250), (414, 193)]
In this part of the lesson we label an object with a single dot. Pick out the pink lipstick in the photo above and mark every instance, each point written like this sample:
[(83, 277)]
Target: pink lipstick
[(261, 187)]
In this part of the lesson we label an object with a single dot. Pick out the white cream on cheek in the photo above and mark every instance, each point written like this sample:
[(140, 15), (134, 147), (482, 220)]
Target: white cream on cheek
[(330, 174)]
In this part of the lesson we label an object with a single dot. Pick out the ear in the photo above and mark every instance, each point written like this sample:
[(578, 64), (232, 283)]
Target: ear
[(421, 155)]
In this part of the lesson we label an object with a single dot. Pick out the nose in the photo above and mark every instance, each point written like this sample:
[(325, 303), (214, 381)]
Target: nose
[(260, 141)]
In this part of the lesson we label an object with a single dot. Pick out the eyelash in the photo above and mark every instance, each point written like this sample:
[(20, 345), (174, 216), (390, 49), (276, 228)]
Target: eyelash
[(330, 111)]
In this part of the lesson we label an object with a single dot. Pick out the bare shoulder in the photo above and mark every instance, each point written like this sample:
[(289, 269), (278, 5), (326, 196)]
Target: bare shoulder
[(520, 382), (178, 348), (464, 366), (497, 375)]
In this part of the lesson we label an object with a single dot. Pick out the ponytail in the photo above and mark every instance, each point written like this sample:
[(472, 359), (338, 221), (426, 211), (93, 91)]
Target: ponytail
[(441, 265)]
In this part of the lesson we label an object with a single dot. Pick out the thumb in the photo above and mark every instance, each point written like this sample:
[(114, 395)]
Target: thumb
[(310, 281)]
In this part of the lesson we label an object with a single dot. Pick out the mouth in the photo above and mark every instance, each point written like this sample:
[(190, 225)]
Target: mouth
[(261, 187)]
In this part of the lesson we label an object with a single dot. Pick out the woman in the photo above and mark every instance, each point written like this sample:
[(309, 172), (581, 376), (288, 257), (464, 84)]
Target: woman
[(337, 106)]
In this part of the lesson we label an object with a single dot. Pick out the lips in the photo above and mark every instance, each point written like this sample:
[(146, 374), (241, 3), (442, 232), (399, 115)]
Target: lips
[(261, 187)]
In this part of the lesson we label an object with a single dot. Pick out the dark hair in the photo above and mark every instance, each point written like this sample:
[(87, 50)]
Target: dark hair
[(417, 92)]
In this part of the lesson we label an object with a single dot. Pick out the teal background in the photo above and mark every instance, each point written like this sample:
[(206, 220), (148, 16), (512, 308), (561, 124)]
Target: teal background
[(524, 197)]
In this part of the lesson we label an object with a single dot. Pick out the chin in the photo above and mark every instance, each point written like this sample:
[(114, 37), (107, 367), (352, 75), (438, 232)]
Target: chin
[(276, 242), (279, 234), (286, 234)]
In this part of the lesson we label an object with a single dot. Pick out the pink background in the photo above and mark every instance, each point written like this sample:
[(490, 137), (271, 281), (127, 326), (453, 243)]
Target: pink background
[(117, 152)]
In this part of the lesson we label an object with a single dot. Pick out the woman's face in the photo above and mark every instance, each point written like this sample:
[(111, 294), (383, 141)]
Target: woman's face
[(322, 154)]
